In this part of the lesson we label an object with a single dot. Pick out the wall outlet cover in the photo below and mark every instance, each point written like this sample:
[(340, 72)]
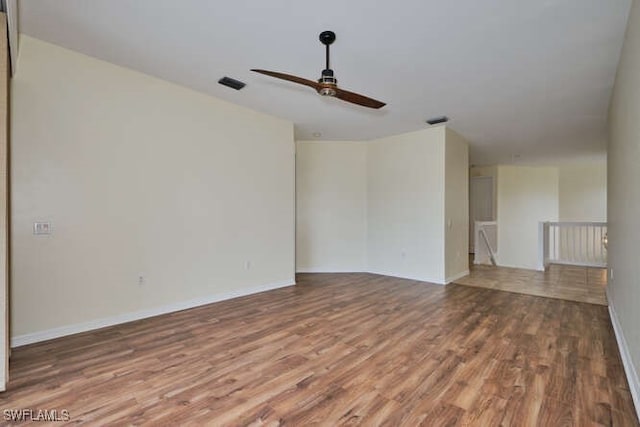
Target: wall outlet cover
[(41, 227)]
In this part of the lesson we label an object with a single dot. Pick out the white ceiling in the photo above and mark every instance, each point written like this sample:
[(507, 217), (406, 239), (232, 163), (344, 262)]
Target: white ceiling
[(517, 77)]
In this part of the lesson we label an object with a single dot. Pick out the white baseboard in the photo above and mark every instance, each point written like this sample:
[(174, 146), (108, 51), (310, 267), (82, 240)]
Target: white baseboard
[(410, 277), (326, 270), (629, 369), (457, 276), (381, 273), (61, 331)]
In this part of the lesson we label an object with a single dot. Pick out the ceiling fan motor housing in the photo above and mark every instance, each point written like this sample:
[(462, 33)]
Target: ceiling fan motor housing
[(328, 82)]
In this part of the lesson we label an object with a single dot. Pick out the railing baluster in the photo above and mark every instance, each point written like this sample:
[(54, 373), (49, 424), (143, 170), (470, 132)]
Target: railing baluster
[(552, 250), (565, 255), (600, 245), (577, 243), (594, 247), (606, 254), (600, 257), (555, 242), (591, 257), (574, 253)]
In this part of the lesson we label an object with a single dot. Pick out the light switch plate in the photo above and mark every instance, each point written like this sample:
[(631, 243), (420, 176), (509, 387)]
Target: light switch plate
[(41, 227)]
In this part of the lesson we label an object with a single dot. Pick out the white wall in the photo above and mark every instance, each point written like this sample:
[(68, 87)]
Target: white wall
[(405, 214), (583, 191), (139, 176), (331, 206), (526, 196), (624, 202), (456, 206)]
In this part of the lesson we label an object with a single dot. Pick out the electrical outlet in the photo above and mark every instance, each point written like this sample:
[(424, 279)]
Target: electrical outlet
[(247, 265), (140, 279), (41, 228)]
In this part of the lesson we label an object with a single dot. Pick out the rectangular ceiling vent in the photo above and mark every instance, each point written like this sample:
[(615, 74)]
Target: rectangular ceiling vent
[(232, 83), (437, 120)]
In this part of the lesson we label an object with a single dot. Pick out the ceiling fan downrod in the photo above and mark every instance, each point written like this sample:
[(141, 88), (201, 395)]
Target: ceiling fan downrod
[(328, 81)]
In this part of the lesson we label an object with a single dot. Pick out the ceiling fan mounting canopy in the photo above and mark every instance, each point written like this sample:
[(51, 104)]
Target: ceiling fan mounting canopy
[(327, 37), (327, 84)]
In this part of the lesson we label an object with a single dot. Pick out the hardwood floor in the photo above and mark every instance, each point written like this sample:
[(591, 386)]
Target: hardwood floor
[(340, 349), (582, 284)]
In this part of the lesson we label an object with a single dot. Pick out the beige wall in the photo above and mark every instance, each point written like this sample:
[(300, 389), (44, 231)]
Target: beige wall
[(139, 177), (405, 215), (583, 191), (526, 196), (624, 201), (456, 206), (380, 205), (331, 206)]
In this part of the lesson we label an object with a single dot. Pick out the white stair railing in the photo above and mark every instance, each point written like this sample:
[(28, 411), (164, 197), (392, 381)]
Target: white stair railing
[(574, 243), (485, 242)]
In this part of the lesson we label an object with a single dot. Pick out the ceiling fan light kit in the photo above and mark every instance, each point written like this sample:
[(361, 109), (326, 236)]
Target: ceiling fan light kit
[(327, 84)]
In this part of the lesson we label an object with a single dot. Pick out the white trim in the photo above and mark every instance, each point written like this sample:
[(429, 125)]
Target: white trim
[(580, 264), (543, 245), (61, 331), (12, 33), (629, 369), (380, 273), (327, 270), (324, 141), (402, 276), (458, 276)]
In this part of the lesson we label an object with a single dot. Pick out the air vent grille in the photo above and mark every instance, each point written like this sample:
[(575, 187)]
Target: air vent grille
[(437, 120), (232, 83)]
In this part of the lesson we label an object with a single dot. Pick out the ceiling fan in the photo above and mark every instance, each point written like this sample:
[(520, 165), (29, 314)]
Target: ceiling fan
[(327, 84)]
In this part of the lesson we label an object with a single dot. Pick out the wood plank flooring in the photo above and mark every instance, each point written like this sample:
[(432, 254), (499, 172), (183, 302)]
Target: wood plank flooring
[(582, 284), (339, 349)]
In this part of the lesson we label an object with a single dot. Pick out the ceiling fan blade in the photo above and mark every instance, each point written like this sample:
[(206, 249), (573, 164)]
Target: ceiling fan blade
[(289, 77), (355, 98)]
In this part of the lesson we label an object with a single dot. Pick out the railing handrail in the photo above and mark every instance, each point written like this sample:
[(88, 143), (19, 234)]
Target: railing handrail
[(576, 223), (483, 248), (492, 256), (486, 223)]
